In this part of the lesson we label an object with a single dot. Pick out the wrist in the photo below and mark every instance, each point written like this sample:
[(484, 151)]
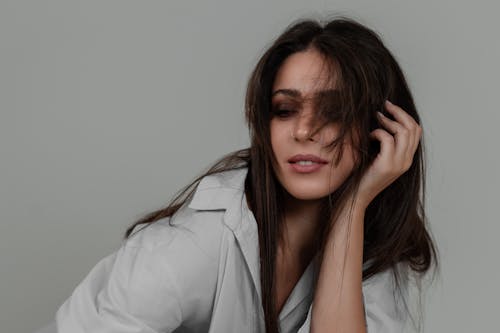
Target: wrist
[(359, 204), (354, 211)]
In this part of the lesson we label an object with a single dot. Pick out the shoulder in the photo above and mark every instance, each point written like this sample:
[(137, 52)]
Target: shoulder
[(132, 287), (184, 249), (188, 245), (164, 273), (161, 276), (187, 232), (196, 229)]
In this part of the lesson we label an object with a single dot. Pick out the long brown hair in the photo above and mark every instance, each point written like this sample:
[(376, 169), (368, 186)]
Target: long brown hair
[(396, 230)]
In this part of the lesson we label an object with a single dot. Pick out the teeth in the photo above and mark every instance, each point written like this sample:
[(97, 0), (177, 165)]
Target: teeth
[(305, 162)]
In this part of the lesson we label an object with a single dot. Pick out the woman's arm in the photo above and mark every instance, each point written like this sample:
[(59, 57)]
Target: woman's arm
[(335, 308), (338, 303)]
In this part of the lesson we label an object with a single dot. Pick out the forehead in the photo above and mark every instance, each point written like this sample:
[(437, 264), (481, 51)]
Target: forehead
[(306, 73)]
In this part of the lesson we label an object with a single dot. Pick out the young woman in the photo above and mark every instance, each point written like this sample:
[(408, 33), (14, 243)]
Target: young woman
[(317, 227)]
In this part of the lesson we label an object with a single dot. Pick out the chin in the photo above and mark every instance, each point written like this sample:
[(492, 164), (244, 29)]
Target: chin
[(306, 193)]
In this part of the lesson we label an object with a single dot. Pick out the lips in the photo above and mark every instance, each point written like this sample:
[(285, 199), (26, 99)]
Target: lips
[(307, 157)]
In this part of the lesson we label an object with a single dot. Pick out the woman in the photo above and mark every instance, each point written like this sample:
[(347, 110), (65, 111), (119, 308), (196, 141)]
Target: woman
[(317, 227)]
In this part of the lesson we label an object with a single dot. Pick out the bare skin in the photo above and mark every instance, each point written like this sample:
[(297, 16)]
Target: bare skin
[(294, 256)]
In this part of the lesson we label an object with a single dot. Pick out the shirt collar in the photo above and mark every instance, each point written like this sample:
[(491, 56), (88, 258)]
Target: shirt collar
[(217, 191), (226, 191)]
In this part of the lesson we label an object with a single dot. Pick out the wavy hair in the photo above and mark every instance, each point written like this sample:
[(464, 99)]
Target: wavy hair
[(396, 232)]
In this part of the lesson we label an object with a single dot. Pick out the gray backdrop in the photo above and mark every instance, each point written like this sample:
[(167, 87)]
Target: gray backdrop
[(107, 108)]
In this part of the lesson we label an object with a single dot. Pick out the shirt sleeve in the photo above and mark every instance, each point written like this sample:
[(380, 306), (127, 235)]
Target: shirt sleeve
[(131, 290), (383, 311)]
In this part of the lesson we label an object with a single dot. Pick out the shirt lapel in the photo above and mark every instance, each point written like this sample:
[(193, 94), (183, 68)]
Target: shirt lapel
[(226, 191)]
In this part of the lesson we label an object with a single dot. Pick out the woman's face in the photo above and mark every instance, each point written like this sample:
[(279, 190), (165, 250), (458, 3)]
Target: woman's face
[(297, 81)]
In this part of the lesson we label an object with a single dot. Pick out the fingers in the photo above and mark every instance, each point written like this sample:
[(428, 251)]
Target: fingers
[(406, 135), (400, 115), (387, 143), (401, 138), (408, 122)]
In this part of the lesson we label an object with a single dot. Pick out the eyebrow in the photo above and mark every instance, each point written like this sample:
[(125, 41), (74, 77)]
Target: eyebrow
[(296, 93)]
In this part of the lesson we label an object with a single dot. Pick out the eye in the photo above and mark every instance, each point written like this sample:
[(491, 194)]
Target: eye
[(283, 113)]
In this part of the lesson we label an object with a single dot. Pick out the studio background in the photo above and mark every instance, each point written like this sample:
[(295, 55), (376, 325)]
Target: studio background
[(107, 108)]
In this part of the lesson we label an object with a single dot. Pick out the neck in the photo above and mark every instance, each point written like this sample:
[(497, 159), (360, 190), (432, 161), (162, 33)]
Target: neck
[(301, 225)]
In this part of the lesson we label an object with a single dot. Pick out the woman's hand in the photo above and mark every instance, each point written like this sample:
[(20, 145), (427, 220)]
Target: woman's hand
[(398, 142)]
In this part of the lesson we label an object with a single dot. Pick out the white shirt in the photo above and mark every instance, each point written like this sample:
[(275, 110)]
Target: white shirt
[(202, 275)]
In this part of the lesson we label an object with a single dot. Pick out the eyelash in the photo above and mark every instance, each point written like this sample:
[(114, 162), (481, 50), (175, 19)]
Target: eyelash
[(279, 113)]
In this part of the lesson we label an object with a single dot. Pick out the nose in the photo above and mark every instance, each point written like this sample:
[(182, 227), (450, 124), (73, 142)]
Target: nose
[(303, 127)]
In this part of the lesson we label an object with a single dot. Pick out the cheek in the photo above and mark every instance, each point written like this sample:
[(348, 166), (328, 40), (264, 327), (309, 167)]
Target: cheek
[(326, 135), (346, 165), (277, 138)]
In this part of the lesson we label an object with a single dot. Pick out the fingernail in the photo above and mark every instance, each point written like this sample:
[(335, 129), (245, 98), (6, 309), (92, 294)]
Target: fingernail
[(380, 114), (387, 102)]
